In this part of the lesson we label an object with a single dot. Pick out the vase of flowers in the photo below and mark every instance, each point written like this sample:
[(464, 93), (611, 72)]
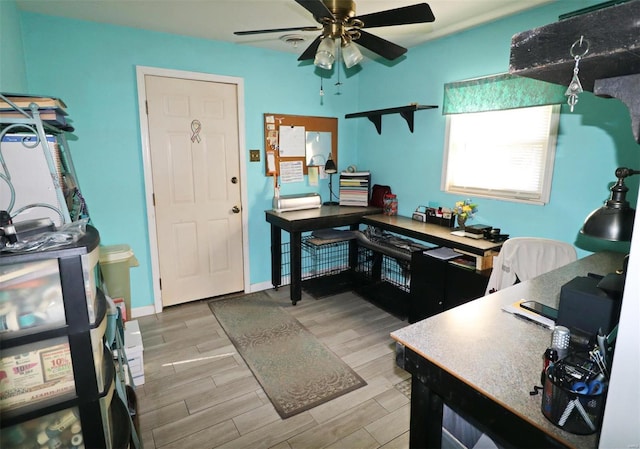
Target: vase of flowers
[(464, 210)]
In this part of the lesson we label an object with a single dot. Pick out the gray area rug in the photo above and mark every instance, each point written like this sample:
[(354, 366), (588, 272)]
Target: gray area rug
[(296, 370)]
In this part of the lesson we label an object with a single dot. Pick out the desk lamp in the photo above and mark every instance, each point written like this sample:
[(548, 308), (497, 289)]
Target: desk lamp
[(613, 222), (331, 169)]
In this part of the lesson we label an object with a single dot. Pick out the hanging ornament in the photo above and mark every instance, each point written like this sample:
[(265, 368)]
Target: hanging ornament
[(578, 50)]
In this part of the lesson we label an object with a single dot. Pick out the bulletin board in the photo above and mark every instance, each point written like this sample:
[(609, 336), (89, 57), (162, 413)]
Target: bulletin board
[(284, 135)]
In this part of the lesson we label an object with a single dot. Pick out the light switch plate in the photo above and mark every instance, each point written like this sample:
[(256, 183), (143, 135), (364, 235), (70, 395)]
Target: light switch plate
[(254, 155)]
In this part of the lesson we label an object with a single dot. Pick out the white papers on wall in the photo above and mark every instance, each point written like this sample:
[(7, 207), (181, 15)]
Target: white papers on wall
[(291, 172), (318, 146), (292, 141), (313, 175)]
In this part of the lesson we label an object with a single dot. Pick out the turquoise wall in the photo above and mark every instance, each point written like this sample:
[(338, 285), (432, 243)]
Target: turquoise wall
[(12, 68), (95, 74), (593, 140)]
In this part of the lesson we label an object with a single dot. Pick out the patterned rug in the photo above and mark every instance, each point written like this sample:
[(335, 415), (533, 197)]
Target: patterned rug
[(296, 371)]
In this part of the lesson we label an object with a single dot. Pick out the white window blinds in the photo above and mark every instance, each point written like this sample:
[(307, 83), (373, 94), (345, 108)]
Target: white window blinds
[(505, 154)]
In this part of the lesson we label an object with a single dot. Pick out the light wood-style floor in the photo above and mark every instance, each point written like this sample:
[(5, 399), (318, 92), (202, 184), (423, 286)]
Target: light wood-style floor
[(200, 394)]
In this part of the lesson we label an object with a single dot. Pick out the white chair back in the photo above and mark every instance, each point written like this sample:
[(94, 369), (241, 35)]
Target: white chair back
[(523, 258)]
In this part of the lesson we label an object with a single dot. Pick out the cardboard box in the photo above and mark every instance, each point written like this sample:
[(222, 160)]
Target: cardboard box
[(134, 350)]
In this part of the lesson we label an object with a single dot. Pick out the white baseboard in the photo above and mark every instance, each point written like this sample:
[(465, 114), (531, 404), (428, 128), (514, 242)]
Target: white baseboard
[(150, 310), (143, 311), (259, 287)]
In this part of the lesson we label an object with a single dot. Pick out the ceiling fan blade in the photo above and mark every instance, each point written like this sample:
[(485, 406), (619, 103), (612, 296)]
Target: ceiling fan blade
[(419, 13), (316, 7), (383, 47), (276, 30), (311, 50)]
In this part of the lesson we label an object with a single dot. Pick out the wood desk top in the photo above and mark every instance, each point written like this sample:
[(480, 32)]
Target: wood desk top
[(498, 354), (318, 218), (433, 233)]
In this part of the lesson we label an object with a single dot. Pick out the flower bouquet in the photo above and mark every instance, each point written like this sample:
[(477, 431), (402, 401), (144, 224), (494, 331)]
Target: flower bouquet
[(464, 210)]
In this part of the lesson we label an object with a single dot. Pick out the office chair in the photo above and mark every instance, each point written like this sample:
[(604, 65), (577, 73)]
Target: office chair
[(523, 258)]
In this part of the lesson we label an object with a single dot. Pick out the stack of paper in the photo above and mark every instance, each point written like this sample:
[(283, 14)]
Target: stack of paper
[(354, 188), (442, 253)]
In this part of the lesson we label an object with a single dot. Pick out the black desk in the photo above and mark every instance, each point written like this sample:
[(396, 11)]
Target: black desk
[(297, 222), (482, 362)]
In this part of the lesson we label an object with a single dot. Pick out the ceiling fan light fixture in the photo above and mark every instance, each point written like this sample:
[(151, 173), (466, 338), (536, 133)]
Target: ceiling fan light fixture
[(325, 54), (351, 54)]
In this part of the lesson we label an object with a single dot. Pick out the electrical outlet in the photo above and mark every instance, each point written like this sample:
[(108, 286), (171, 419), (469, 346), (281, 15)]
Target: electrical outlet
[(254, 155)]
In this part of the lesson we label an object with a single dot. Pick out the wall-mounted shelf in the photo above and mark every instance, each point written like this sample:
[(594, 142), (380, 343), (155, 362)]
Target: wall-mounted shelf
[(405, 111)]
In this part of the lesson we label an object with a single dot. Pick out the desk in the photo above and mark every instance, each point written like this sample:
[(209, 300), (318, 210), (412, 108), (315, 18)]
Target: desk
[(432, 233), (483, 362), (299, 221)]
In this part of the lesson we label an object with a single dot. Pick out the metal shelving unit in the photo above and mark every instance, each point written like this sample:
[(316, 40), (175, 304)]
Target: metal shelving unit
[(62, 383), (30, 123)]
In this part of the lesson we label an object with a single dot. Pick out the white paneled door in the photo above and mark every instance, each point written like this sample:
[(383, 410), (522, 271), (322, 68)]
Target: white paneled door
[(194, 149)]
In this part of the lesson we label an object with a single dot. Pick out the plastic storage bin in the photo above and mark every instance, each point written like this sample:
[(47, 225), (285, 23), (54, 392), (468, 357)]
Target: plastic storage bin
[(35, 372), (30, 296), (115, 262), (58, 429)]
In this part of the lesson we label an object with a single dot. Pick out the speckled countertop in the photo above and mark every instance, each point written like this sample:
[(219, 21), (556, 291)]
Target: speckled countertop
[(497, 353)]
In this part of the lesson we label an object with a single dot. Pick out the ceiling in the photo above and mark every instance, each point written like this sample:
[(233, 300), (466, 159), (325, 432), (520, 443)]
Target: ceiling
[(218, 19)]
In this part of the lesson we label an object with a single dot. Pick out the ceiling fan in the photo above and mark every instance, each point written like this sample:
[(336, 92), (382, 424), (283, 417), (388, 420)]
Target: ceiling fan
[(339, 22)]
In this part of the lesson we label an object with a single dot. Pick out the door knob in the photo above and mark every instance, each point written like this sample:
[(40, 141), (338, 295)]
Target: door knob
[(234, 180), (236, 210)]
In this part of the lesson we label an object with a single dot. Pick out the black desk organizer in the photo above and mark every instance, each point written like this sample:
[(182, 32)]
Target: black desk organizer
[(575, 406), (432, 217)]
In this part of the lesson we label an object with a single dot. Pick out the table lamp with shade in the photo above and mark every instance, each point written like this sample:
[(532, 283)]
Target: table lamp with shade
[(590, 306), (613, 222), (330, 168)]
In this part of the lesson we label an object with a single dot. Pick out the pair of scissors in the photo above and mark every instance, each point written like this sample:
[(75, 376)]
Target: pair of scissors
[(590, 388)]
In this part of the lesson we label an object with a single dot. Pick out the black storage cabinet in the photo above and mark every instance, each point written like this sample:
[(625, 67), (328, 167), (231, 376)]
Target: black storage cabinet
[(438, 285)]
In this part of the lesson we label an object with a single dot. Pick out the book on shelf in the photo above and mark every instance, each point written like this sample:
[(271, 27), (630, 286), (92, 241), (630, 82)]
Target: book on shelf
[(23, 102), (464, 263), (55, 117)]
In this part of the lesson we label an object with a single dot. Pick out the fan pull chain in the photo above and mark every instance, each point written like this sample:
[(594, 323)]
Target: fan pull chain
[(338, 59)]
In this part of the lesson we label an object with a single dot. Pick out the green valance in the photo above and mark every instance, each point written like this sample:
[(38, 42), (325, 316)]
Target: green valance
[(496, 92)]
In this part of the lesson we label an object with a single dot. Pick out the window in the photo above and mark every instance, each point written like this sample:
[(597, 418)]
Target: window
[(506, 154)]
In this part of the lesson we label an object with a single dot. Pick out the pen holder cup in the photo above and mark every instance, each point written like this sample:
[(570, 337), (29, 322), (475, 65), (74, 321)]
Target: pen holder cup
[(576, 413)]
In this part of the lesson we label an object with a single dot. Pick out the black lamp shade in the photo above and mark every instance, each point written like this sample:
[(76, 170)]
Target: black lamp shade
[(330, 166), (614, 224), (614, 220)]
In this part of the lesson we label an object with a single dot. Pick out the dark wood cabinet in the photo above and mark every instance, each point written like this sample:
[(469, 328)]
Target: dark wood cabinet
[(438, 285)]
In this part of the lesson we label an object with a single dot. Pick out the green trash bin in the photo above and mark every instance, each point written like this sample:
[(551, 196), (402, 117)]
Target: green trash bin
[(115, 262)]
